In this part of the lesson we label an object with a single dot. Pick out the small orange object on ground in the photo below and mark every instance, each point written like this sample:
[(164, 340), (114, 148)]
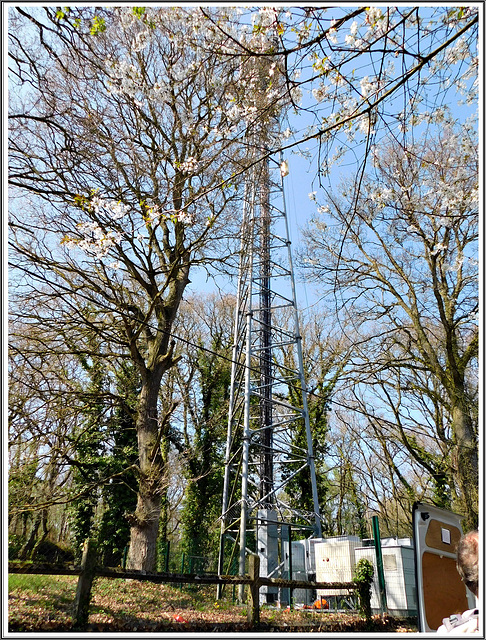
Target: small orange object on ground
[(179, 618), (321, 603)]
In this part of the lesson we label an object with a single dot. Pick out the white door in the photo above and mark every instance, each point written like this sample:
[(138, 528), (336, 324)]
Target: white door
[(440, 591)]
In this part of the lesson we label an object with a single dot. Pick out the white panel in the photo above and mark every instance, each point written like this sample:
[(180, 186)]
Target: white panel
[(335, 561), (302, 596), (311, 554), (267, 541), (390, 562), (399, 597)]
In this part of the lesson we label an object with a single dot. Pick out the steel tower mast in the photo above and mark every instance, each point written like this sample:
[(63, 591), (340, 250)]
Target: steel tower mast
[(268, 398)]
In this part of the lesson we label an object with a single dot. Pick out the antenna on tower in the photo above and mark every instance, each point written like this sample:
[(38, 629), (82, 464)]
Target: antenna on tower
[(268, 397)]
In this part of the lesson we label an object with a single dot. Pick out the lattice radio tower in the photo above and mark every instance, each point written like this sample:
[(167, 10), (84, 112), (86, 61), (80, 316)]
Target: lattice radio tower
[(262, 455)]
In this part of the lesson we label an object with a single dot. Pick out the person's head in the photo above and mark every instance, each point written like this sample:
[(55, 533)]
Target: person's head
[(467, 560)]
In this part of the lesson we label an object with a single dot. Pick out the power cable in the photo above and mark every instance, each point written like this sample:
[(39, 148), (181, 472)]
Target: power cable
[(226, 358)]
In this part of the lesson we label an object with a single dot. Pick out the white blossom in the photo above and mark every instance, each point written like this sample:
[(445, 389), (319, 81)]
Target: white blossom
[(382, 196), (437, 249), (189, 166), (296, 94), (373, 14), (158, 93), (332, 36), (367, 86), (266, 17), (141, 41), (446, 222), (153, 212), (117, 210), (185, 217), (95, 241), (458, 263), (364, 124), (127, 17), (320, 93), (114, 209), (234, 113), (96, 203), (304, 31)]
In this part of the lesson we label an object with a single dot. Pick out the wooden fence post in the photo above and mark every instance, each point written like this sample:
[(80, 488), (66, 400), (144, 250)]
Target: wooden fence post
[(253, 615), (85, 581)]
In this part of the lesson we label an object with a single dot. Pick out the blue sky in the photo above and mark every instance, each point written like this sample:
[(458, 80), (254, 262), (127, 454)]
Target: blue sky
[(302, 178)]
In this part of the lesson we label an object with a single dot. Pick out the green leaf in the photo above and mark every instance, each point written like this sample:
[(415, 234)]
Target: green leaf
[(98, 26)]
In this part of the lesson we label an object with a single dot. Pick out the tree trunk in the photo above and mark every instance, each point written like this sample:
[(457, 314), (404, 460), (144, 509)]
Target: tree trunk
[(143, 534), (26, 551), (164, 497), (145, 521), (465, 464), (44, 535)]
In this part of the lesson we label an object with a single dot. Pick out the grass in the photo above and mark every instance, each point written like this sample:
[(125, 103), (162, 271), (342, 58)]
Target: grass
[(40, 601), (45, 603)]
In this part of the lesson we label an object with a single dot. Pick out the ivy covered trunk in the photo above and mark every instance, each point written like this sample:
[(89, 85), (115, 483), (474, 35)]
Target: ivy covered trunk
[(465, 464), (363, 577)]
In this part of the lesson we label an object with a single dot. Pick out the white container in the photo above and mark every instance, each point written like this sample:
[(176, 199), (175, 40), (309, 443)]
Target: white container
[(335, 561), (298, 555), (310, 555), (302, 596), (303, 555), (303, 568), (399, 574), (267, 542)]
